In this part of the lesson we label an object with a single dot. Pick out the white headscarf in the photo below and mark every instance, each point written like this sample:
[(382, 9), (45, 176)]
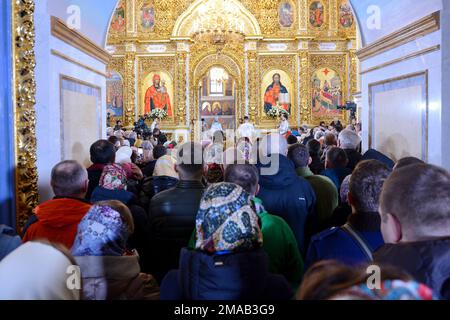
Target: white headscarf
[(123, 155), (165, 166), (36, 271)]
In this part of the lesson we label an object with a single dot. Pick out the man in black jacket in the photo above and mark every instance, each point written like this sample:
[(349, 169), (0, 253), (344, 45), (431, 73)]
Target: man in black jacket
[(415, 215), (173, 212), (102, 153)]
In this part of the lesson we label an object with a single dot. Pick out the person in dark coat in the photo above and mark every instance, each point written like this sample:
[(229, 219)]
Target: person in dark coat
[(315, 151), (415, 222), (283, 192), (346, 244), (228, 263), (373, 154), (102, 153), (173, 212), (336, 166), (349, 141)]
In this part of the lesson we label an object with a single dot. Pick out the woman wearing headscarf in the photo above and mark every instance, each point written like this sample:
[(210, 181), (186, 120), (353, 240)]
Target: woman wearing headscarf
[(228, 263), (123, 157), (110, 271), (164, 174), (38, 271)]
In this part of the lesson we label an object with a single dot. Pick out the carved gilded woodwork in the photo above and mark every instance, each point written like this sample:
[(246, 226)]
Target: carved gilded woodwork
[(24, 112), (117, 64), (130, 91)]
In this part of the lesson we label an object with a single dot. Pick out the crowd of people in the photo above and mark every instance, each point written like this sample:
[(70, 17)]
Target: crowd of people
[(302, 215)]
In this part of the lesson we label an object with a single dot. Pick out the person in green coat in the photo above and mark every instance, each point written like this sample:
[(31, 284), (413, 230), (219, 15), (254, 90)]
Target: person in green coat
[(278, 239)]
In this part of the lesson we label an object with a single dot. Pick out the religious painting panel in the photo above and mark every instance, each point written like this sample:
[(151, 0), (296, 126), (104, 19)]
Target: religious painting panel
[(326, 87), (346, 18), (146, 16), (277, 91), (286, 14), (114, 97), (118, 21), (317, 14), (157, 92)]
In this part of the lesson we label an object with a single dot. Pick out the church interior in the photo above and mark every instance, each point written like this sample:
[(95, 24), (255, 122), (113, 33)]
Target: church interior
[(74, 70)]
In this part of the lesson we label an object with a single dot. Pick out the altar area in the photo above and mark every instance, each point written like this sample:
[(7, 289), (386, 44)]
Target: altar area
[(227, 58)]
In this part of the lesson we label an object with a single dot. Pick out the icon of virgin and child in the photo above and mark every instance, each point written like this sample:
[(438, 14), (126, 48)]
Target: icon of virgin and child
[(157, 97)]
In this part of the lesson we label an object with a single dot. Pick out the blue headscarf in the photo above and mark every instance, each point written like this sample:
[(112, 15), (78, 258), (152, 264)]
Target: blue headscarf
[(102, 232)]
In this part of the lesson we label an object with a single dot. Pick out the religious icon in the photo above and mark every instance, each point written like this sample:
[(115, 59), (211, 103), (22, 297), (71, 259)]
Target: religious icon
[(114, 94), (148, 18), (316, 14), (157, 96), (345, 15), (326, 92), (206, 109), (277, 94), (217, 109), (286, 15), (118, 22)]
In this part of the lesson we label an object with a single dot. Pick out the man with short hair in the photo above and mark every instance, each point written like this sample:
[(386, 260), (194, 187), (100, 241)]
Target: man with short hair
[(415, 222), (349, 141), (57, 220), (336, 169), (284, 193), (355, 242), (325, 190), (102, 153), (173, 212), (279, 240), (246, 130)]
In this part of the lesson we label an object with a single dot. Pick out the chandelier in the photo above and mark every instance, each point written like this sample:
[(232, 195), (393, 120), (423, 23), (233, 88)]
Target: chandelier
[(218, 22)]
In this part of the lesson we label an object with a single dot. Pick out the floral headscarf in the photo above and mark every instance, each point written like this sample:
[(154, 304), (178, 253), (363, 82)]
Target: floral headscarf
[(102, 232), (226, 220), (390, 290), (113, 177)]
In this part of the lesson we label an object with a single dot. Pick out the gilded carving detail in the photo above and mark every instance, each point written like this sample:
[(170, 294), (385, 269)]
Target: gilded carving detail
[(130, 80), (25, 117)]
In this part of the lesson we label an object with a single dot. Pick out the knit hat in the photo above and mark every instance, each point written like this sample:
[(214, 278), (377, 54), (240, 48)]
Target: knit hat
[(113, 177), (226, 220), (102, 232)]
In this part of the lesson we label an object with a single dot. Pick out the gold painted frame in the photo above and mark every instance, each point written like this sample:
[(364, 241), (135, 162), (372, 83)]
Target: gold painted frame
[(425, 115), (24, 91)]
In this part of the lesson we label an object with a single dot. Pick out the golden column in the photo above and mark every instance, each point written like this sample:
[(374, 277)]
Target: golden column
[(130, 85), (253, 82), (182, 83), (305, 109)]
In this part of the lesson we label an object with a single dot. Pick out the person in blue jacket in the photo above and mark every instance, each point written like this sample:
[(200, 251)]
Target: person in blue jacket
[(282, 191), (9, 241), (228, 262), (354, 243)]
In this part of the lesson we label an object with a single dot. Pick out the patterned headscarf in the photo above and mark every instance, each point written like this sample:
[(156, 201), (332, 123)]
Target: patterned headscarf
[(102, 232), (226, 220), (390, 290), (113, 177)]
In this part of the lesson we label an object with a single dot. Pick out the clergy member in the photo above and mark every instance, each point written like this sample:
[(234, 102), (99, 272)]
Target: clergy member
[(247, 129)]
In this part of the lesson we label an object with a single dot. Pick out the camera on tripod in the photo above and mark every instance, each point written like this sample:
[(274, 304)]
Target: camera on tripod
[(349, 106)]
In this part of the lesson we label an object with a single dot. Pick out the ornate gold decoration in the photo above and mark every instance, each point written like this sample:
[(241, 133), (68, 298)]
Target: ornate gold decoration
[(117, 64), (24, 113), (129, 92), (304, 87)]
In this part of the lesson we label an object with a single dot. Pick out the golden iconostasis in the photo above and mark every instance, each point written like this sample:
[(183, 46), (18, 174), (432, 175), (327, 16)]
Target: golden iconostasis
[(227, 58)]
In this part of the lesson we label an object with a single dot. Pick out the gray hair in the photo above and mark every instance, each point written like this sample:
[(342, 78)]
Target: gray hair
[(69, 178), (349, 139), (147, 145), (319, 134), (273, 143)]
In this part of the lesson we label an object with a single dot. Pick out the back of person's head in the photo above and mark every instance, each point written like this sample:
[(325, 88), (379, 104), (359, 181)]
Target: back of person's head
[(103, 152), (122, 209), (345, 188), (328, 278), (37, 271), (330, 140), (299, 154), (336, 158), (69, 179), (404, 162), (113, 177), (103, 231), (114, 141), (244, 175), (319, 135), (159, 151), (314, 147), (223, 207), (162, 139), (366, 183), (147, 145), (273, 143), (190, 161), (292, 139), (414, 204), (348, 140)]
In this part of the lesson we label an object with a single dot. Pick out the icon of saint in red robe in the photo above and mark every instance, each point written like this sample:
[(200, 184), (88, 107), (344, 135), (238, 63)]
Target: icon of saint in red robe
[(157, 97)]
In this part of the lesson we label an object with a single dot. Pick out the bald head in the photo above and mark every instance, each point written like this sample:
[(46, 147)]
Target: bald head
[(69, 179), (244, 175)]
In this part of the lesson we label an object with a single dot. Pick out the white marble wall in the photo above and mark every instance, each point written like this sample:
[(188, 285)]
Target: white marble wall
[(49, 68)]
